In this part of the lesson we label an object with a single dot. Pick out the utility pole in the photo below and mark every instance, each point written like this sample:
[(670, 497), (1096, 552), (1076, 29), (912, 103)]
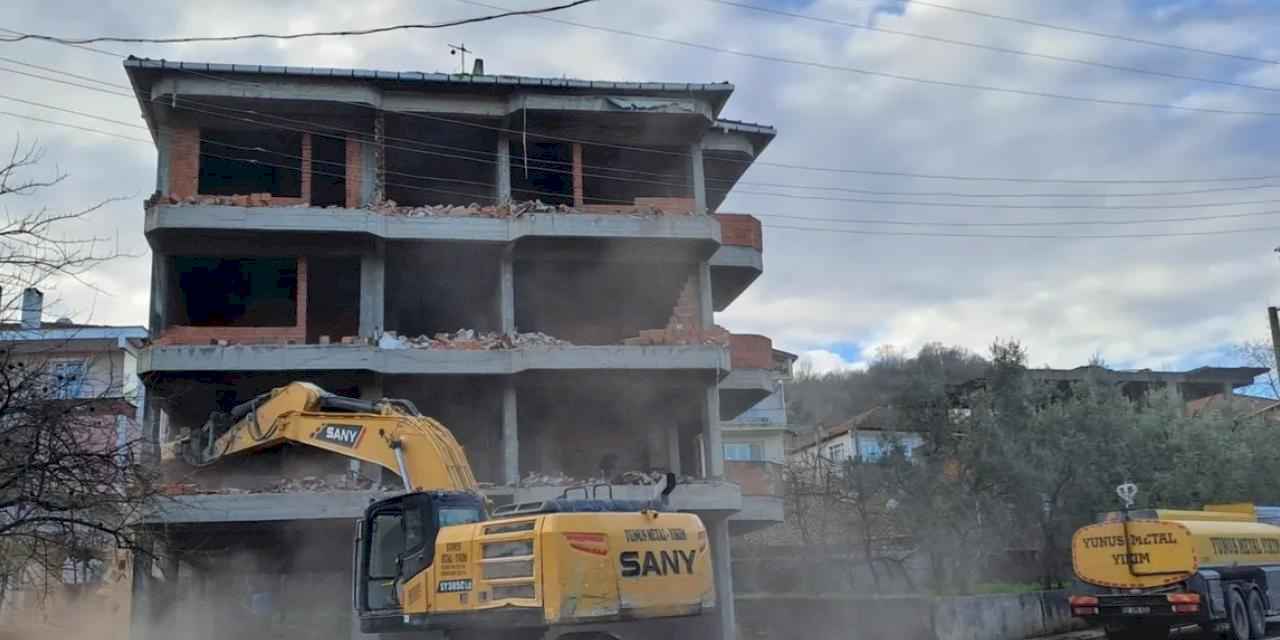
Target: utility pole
[(1274, 316)]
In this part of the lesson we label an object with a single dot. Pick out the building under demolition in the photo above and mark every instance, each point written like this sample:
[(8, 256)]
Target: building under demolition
[(534, 261)]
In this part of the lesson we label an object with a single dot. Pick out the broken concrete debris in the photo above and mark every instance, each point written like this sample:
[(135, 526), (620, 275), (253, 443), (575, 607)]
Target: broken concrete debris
[(470, 340), (642, 207), (336, 482), (535, 479)]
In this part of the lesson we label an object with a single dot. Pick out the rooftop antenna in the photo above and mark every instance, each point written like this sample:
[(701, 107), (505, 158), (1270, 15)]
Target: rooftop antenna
[(455, 49)]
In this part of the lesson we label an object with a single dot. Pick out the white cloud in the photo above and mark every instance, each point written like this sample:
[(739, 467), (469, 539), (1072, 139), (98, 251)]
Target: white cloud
[(1133, 300), (820, 361)]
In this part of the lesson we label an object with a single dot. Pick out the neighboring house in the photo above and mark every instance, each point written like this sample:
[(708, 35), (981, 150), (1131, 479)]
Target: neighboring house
[(80, 362), (759, 433), (867, 437), (1190, 385), (1249, 406), (94, 365)]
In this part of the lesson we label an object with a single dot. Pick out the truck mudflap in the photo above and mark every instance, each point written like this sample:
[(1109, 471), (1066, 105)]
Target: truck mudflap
[(1174, 608)]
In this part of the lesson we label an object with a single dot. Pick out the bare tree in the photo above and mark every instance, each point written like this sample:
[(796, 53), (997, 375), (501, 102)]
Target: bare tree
[(71, 482)]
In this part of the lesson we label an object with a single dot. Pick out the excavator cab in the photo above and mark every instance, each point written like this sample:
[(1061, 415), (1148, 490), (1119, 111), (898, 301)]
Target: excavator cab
[(395, 541)]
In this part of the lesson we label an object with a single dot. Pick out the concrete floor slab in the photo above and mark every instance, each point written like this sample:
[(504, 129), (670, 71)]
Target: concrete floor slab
[(428, 361), (733, 269), (262, 507), (708, 497), (701, 496), (458, 228), (742, 389)]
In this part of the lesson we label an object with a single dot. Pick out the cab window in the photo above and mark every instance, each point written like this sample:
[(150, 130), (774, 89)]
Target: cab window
[(449, 516), (386, 543)]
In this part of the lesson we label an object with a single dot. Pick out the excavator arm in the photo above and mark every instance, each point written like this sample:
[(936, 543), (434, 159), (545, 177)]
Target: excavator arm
[(389, 433)]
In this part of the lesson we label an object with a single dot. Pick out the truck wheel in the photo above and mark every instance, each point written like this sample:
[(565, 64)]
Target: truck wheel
[(1257, 615), (1238, 616)]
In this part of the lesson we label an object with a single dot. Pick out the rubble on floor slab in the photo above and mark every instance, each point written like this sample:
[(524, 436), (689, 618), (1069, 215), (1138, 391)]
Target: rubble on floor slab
[(536, 479), (470, 340), (345, 482), (643, 207)]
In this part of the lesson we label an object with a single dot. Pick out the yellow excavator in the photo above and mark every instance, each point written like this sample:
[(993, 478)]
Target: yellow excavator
[(434, 559)]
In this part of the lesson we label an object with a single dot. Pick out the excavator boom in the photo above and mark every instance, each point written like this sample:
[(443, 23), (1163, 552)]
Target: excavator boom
[(388, 433)]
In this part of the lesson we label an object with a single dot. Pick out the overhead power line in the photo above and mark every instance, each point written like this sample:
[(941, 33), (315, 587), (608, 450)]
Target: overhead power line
[(293, 36), (894, 76), (74, 126), (987, 47), (1089, 32), (823, 230), (311, 128), (782, 165), (1026, 236)]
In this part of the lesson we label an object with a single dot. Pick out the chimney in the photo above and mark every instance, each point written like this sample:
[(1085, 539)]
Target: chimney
[(477, 68), (32, 308)]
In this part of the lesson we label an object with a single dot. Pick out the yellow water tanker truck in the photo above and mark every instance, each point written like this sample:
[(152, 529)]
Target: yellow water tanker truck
[(1146, 571)]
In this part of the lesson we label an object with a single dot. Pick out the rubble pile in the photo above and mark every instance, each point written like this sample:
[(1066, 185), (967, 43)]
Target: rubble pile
[(470, 340), (559, 479), (242, 200), (336, 482), (643, 206)]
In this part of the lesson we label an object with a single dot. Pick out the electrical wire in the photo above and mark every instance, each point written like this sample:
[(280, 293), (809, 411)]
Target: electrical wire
[(1026, 236), (994, 48), (1088, 32), (824, 230), (790, 196), (294, 36), (75, 126), (835, 170), (895, 76)]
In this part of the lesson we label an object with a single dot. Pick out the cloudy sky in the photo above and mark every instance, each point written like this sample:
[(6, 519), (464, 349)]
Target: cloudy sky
[(831, 290)]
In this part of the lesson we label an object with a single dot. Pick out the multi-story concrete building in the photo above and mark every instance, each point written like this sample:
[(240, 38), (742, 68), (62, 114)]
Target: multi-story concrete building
[(534, 261)]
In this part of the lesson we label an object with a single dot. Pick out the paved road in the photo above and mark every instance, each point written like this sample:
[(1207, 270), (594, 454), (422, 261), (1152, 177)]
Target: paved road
[(1273, 628)]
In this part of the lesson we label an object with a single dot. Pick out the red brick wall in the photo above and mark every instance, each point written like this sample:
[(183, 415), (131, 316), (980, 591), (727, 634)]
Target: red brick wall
[(740, 230), (184, 170), (183, 334), (755, 478), (184, 161), (750, 351), (354, 173), (301, 325)]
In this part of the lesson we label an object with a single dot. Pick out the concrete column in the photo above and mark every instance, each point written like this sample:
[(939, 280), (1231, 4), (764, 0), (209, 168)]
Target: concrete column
[(697, 179), (373, 282), (159, 311), (706, 310), (142, 591), (368, 173), (510, 434), (712, 450), (507, 290), (1228, 394), (163, 140), (579, 195), (502, 181), (379, 158), (718, 536), (151, 431), (673, 448)]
